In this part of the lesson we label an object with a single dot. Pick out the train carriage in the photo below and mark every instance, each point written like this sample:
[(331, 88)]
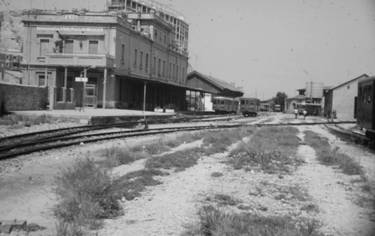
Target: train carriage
[(249, 106), (225, 105), (366, 106)]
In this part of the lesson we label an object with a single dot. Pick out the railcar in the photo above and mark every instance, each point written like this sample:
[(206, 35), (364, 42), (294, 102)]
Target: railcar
[(366, 106), (225, 105), (249, 106)]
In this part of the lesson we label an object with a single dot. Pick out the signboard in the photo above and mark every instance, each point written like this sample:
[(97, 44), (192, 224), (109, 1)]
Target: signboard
[(69, 28), (81, 79)]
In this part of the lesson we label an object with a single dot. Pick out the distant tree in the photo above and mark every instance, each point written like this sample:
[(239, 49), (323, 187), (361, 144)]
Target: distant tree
[(280, 100)]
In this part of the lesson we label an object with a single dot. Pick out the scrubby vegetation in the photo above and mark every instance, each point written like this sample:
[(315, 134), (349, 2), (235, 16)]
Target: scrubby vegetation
[(86, 196), (270, 149), (328, 156), (219, 141), (116, 156), (213, 221), (132, 184), (176, 160)]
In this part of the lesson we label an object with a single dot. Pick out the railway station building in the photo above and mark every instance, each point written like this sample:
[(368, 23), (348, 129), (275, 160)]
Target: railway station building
[(203, 88), (111, 59)]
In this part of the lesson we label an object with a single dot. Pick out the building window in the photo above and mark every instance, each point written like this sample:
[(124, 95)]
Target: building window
[(135, 58), (169, 70), (146, 63), (154, 68), (177, 75), (44, 47), (159, 67), (173, 69), (163, 68), (122, 54), (141, 60), (93, 47), (68, 46), (42, 80), (155, 35)]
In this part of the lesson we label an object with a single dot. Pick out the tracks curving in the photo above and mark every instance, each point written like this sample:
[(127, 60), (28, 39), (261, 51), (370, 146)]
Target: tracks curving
[(52, 139)]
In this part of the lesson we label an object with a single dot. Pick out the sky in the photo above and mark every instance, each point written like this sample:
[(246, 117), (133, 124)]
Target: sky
[(266, 46)]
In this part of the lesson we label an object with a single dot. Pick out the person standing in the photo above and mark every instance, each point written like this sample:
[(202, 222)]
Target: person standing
[(304, 114), (295, 113)]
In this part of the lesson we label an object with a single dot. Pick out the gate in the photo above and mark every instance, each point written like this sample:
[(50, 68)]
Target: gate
[(91, 95)]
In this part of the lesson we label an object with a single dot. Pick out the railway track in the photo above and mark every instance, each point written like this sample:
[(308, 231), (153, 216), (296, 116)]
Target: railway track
[(57, 133), (34, 144), (59, 142), (351, 136)]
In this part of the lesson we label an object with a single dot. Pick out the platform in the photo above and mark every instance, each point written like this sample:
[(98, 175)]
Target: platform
[(96, 116)]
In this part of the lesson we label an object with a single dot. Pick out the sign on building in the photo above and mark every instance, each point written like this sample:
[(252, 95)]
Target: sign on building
[(81, 79)]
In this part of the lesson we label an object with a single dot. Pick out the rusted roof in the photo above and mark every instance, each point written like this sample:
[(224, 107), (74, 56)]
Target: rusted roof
[(225, 88)]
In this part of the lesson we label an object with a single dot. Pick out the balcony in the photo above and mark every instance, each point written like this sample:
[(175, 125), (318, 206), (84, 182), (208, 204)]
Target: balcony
[(81, 60)]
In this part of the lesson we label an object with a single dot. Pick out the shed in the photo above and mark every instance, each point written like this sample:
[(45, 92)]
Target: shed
[(341, 99), (200, 82)]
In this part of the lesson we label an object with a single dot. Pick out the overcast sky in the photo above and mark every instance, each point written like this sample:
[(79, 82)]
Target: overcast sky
[(269, 45)]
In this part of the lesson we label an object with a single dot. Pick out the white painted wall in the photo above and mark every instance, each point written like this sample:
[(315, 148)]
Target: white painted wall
[(343, 100)]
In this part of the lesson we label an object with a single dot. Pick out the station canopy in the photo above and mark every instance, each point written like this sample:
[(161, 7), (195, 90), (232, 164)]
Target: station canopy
[(208, 84)]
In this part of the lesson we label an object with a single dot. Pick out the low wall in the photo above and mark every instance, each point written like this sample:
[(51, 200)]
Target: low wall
[(19, 97)]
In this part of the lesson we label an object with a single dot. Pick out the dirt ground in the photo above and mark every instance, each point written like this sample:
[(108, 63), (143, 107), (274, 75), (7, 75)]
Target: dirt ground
[(327, 195)]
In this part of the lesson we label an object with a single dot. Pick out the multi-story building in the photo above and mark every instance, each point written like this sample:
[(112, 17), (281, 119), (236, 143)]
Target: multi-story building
[(170, 16), (124, 57)]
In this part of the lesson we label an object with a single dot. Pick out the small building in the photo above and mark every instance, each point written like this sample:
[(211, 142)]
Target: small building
[(311, 98), (201, 89), (341, 99)]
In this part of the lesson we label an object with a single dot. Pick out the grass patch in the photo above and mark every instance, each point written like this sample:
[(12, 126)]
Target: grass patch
[(218, 141), (68, 229), (116, 156), (86, 196), (328, 156), (184, 138), (216, 222), (179, 161), (271, 149), (224, 200), (132, 184), (156, 147), (216, 174)]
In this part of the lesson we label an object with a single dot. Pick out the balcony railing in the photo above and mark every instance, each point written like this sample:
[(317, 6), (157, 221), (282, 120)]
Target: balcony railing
[(84, 60)]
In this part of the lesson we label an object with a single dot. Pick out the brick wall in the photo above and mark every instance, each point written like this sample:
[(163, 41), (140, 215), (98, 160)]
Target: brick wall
[(18, 97)]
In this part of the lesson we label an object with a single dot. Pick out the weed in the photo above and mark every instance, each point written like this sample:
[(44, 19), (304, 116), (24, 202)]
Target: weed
[(216, 174), (156, 147), (224, 199), (132, 184), (270, 149), (216, 222), (178, 160), (328, 156), (84, 190), (121, 156), (64, 228), (218, 141), (310, 208)]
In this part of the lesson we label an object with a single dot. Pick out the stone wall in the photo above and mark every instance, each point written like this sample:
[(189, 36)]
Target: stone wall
[(18, 97)]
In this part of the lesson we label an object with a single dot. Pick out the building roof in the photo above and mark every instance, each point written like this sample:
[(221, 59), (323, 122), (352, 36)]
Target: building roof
[(298, 97), (225, 88), (350, 81)]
